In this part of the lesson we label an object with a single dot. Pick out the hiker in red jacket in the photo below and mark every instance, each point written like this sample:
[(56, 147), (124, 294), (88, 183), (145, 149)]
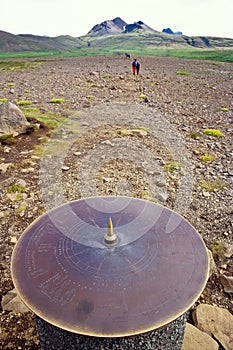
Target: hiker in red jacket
[(135, 66)]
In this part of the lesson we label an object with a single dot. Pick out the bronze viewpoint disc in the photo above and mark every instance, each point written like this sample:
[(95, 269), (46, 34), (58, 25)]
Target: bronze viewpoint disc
[(68, 274)]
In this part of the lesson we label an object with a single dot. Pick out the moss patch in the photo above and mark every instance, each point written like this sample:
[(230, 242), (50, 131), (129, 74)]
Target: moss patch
[(207, 158), (217, 250), (182, 73), (15, 188), (172, 166), (23, 103), (49, 119), (7, 139), (210, 186), (213, 132), (57, 100)]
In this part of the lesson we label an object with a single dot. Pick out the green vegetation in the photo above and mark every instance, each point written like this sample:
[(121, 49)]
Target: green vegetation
[(15, 188), (213, 132), (210, 186), (6, 65), (3, 100), (182, 73), (217, 250), (48, 119), (39, 150), (21, 208), (144, 194), (207, 158), (26, 162), (10, 65), (221, 55), (57, 100), (172, 166), (23, 103), (195, 135), (7, 139), (53, 122)]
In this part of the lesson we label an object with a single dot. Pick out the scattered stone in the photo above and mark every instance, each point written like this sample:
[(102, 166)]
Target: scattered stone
[(139, 132), (4, 167), (77, 153), (94, 73), (133, 132), (36, 126), (227, 282), (227, 250), (12, 120), (215, 321), (12, 302), (65, 168), (213, 268), (206, 194), (162, 197), (13, 240), (223, 266), (194, 339), (27, 170), (21, 182), (107, 179), (108, 142), (6, 149), (14, 196)]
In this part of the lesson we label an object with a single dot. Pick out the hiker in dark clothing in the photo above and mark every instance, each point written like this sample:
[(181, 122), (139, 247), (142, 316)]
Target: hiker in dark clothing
[(138, 67)]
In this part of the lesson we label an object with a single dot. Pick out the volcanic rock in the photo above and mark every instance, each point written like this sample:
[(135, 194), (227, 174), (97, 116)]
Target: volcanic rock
[(12, 120)]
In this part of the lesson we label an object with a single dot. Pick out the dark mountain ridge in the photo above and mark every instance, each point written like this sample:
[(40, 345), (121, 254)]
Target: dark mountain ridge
[(111, 33), (117, 25)]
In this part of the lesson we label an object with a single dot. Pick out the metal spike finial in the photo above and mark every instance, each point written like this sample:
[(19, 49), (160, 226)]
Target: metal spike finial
[(110, 237)]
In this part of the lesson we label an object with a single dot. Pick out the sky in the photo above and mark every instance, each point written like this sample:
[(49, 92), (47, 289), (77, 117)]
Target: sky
[(76, 18)]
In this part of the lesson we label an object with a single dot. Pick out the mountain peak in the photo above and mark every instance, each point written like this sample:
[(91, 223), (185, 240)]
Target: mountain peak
[(108, 27), (139, 25), (117, 26)]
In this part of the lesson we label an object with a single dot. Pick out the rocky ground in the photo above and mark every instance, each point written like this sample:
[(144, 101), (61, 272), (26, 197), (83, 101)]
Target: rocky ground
[(182, 97)]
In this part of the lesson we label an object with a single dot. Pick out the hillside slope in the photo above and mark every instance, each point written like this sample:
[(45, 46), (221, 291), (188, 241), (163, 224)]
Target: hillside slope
[(110, 35)]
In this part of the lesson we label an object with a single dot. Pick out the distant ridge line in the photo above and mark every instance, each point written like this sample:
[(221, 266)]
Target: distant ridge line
[(111, 35)]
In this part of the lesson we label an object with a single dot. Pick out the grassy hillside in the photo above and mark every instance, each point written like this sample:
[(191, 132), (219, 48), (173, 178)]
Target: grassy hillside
[(137, 42)]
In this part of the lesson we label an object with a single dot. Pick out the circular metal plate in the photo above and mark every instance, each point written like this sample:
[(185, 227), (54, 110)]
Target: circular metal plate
[(65, 272)]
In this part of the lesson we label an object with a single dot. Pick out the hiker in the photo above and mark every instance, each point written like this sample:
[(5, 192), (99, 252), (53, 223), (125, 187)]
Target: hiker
[(135, 66), (138, 67)]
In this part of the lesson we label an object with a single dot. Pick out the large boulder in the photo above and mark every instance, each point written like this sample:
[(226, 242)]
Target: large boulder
[(12, 120), (194, 339), (12, 302), (217, 322)]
